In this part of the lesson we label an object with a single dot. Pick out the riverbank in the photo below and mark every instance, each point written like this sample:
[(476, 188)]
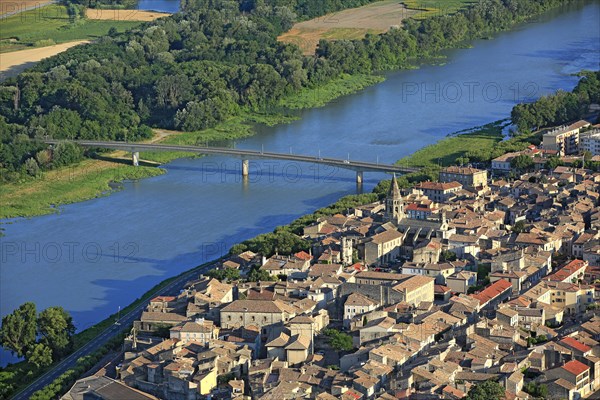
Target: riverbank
[(18, 377), (93, 178), (235, 128), (83, 181), (447, 148)]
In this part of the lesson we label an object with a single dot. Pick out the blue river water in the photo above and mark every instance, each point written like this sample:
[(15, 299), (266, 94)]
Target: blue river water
[(95, 256), (167, 6)]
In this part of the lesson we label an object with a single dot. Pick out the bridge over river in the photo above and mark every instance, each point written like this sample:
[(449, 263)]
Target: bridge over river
[(359, 166)]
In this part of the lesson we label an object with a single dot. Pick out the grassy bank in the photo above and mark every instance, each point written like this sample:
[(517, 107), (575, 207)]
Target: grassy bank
[(447, 150), (318, 97), (83, 181), (49, 25)]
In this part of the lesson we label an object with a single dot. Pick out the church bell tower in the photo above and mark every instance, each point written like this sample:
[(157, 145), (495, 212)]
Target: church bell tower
[(394, 204)]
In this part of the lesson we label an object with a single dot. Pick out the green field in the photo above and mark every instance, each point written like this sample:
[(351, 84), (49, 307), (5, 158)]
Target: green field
[(431, 8), (36, 27), (447, 150)]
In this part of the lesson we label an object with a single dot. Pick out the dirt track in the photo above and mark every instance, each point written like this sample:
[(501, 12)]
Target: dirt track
[(124, 15), (348, 24)]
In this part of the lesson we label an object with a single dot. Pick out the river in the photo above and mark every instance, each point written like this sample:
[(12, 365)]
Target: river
[(98, 255), (167, 6)]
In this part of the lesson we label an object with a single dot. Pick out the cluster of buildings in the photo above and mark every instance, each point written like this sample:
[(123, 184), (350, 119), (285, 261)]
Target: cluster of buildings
[(570, 142), (439, 288), (578, 137)]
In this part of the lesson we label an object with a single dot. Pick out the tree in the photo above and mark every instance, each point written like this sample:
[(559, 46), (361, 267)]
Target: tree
[(462, 161), (339, 340), (536, 390), (32, 167), (66, 153), (259, 275), (40, 355), (56, 328), (522, 162), (447, 255), (553, 162), (519, 227), (18, 329), (229, 274), (488, 390), (43, 158)]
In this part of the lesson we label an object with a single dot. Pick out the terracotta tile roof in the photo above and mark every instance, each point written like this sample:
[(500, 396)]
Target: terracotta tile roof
[(569, 341), (388, 276), (419, 207), (386, 236), (567, 270), (461, 170), (357, 299), (438, 185), (456, 393), (300, 343), (163, 298), (303, 255), (260, 306), (412, 283), (492, 291), (441, 289), (575, 367), (463, 238), (148, 316)]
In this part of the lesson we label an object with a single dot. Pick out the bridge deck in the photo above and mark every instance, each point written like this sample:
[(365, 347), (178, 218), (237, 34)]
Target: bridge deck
[(362, 166)]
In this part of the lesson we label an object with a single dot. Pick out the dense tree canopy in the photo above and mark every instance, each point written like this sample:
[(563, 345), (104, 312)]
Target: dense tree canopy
[(339, 340), (488, 390), (522, 162), (18, 332), (40, 355), (203, 65), (559, 108), (56, 329)]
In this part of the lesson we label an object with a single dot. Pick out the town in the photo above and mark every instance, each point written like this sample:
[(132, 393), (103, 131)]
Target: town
[(486, 279)]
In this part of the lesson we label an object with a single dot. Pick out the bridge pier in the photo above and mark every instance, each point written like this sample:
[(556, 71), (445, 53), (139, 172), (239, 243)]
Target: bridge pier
[(359, 177), (245, 168), (135, 158)]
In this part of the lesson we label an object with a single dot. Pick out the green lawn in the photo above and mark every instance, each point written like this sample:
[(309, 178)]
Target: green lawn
[(431, 8), (52, 22), (447, 150)]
